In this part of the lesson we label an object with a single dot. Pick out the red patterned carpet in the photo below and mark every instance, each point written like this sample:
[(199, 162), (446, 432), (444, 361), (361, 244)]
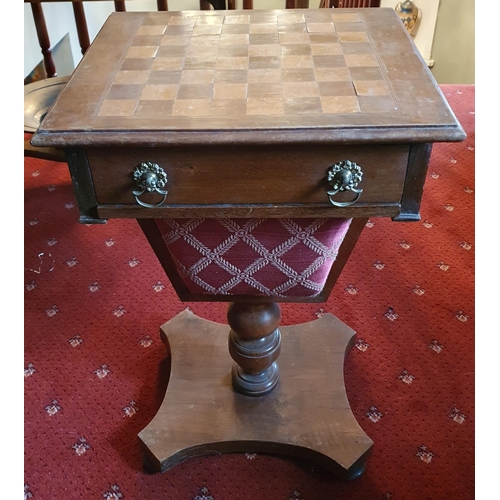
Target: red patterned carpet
[(95, 297)]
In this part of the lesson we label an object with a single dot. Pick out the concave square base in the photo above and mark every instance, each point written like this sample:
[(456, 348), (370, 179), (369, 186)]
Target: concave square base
[(306, 416)]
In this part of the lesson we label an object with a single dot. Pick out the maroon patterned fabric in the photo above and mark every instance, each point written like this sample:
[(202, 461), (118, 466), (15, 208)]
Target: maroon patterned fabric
[(268, 257), (95, 368)]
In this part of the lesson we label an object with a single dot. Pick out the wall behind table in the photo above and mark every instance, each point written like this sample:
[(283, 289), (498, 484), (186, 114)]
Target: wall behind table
[(454, 42)]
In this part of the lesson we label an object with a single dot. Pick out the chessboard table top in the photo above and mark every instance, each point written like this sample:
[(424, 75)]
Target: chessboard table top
[(311, 75)]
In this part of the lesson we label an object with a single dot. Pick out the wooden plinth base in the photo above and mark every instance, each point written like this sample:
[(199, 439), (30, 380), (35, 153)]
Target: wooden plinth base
[(306, 416)]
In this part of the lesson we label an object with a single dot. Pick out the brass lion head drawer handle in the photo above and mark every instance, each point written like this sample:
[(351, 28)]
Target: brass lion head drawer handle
[(344, 176), (150, 177)]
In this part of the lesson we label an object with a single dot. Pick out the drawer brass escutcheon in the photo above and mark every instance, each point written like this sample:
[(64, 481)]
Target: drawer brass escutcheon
[(344, 176), (150, 177)]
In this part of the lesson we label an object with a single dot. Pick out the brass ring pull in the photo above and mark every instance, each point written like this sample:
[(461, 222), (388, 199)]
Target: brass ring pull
[(344, 176), (150, 177)]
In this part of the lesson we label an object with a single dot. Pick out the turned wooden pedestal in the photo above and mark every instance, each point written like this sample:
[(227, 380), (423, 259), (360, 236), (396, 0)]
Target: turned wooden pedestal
[(307, 414), (254, 344)]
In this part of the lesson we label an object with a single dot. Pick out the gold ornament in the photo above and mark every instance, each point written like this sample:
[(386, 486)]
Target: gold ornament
[(409, 14)]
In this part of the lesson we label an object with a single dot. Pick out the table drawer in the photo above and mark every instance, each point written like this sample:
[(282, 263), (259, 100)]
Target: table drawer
[(282, 175)]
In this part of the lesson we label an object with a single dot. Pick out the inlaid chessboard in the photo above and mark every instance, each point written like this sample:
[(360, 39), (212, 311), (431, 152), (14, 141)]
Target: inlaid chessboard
[(308, 74), (234, 64)]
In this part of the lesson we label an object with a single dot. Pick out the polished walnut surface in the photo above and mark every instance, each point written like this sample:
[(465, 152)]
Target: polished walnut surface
[(308, 75)]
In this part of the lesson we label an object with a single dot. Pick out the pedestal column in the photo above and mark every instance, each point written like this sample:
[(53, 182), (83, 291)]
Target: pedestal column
[(254, 344)]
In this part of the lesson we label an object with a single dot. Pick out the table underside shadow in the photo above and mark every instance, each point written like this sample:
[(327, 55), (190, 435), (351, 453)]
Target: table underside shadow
[(306, 416)]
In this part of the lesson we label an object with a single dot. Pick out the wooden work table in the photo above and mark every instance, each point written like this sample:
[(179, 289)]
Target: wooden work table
[(307, 114)]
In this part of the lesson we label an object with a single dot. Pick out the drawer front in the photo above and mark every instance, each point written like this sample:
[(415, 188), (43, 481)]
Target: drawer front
[(249, 175)]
